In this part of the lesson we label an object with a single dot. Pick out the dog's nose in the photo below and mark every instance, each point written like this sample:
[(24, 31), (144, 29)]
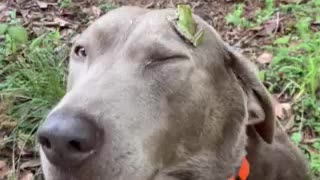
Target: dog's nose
[(67, 141)]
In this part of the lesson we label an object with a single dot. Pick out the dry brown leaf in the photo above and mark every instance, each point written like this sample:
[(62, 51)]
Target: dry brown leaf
[(27, 176), (277, 106), (289, 125), (315, 26), (4, 170), (312, 150), (66, 33), (256, 28), (309, 141), (3, 13), (21, 2), (265, 58), (315, 23), (3, 6), (92, 11), (96, 11), (6, 124), (282, 110), (30, 164), (42, 5), (25, 14), (271, 26), (287, 109), (60, 21)]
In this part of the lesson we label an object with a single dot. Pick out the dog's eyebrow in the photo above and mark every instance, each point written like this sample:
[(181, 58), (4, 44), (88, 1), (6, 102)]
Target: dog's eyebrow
[(160, 48)]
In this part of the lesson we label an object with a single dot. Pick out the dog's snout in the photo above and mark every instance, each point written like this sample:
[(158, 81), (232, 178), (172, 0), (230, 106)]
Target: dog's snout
[(67, 141)]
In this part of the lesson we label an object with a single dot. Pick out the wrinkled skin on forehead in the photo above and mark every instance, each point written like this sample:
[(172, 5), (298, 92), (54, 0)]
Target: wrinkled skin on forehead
[(166, 110)]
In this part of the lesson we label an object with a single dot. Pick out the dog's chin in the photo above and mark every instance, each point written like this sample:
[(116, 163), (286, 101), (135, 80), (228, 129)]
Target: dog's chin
[(94, 171), (73, 174)]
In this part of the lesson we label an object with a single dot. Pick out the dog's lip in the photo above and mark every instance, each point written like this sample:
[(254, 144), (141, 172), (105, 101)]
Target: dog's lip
[(59, 162), (71, 173), (71, 177)]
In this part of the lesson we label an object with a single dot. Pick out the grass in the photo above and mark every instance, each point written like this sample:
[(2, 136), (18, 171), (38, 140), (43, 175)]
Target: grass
[(235, 17), (32, 81), (32, 78), (260, 15), (295, 67), (64, 3), (106, 7)]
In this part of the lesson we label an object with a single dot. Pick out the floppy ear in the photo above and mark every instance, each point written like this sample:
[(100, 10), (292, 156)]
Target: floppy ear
[(260, 111)]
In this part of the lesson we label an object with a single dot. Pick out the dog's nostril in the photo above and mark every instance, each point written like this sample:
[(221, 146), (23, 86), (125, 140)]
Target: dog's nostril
[(45, 142), (68, 140), (75, 145)]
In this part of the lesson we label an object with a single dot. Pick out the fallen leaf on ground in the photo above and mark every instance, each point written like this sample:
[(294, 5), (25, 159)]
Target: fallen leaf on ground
[(3, 6), (289, 125), (42, 5), (27, 176), (30, 164), (265, 58), (309, 135), (4, 170), (282, 110), (272, 25), (309, 141), (315, 26), (96, 11), (25, 14), (6, 123), (61, 21), (92, 11)]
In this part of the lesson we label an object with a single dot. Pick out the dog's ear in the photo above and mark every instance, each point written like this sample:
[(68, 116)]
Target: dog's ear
[(260, 111)]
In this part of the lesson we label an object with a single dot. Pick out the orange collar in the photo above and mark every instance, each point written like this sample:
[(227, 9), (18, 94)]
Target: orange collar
[(243, 171)]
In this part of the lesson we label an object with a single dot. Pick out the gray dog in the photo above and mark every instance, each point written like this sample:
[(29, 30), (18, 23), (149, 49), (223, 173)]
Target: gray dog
[(143, 104)]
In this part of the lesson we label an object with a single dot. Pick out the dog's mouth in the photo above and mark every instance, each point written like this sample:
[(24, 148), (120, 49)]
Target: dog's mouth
[(175, 174), (88, 171), (72, 176)]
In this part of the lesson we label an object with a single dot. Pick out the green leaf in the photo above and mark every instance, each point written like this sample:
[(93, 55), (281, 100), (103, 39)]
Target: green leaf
[(282, 40), (296, 137), (107, 7), (3, 28), (235, 16), (19, 34)]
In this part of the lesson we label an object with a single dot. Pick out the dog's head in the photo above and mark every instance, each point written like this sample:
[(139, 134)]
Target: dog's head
[(144, 104)]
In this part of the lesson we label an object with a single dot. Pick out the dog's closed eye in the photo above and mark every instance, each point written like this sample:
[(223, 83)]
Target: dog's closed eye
[(160, 53), (157, 59), (166, 58)]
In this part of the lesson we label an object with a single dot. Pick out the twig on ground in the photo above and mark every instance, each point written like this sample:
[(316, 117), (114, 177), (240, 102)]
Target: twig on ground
[(277, 23)]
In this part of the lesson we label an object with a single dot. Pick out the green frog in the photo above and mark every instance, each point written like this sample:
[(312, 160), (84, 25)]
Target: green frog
[(186, 25)]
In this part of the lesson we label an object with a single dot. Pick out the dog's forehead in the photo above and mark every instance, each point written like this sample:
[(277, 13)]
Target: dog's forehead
[(115, 20), (122, 21), (157, 19), (136, 29)]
